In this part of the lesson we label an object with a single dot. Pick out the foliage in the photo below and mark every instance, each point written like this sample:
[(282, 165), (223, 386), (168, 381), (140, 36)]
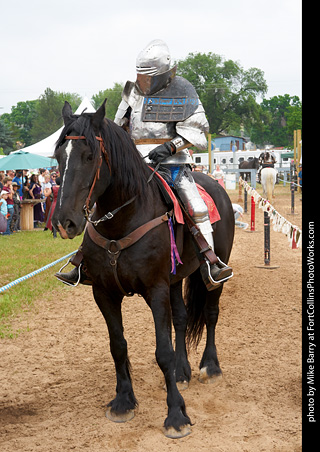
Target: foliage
[(281, 116), (20, 121), (113, 97), (48, 113), (6, 138), (227, 91)]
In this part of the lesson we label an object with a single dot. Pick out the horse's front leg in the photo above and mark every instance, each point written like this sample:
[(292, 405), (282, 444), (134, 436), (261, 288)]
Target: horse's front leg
[(120, 409), (177, 423), (180, 318)]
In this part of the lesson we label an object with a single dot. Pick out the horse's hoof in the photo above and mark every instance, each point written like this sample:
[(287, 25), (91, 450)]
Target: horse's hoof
[(123, 417), (175, 434), (182, 385), (206, 379)]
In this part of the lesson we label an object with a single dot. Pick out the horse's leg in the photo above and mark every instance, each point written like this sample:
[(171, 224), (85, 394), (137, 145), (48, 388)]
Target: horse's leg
[(203, 311), (120, 409), (177, 423), (179, 316), (210, 371)]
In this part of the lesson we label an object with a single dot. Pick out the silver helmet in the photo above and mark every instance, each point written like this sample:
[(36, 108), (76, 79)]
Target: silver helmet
[(153, 67)]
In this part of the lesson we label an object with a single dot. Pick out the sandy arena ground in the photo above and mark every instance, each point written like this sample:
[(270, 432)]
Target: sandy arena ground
[(57, 377)]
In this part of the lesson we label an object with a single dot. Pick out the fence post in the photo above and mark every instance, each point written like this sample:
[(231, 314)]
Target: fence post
[(292, 169), (245, 204), (253, 213), (266, 239), (240, 193)]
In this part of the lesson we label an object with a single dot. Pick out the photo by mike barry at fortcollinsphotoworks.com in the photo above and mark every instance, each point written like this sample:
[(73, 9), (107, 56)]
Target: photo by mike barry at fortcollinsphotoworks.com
[(309, 333)]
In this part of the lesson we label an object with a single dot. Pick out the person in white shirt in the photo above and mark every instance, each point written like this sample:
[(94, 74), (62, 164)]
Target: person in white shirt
[(238, 211)]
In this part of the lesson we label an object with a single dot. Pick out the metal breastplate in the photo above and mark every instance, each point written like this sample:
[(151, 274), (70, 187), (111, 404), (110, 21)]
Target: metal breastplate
[(177, 102), (140, 129), (175, 110)]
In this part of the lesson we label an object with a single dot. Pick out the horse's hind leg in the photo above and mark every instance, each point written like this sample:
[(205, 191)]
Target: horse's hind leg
[(210, 371), (120, 409), (177, 423), (179, 317)]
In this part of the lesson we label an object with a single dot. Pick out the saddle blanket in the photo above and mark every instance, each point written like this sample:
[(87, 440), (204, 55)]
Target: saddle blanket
[(212, 208)]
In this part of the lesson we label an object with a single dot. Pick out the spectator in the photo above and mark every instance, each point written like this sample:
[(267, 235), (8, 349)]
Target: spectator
[(15, 224), (19, 180), (35, 193), (238, 211), (53, 178), (42, 173), (1, 181), (3, 212), (218, 175), (11, 174), (26, 186), (7, 186), (54, 190), (47, 192), (300, 177)]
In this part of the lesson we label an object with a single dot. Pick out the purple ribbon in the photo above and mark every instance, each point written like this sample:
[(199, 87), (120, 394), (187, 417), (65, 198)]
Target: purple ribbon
[(174, 249)]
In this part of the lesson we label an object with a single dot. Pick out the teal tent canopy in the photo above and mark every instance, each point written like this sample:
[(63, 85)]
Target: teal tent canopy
[(25, 160)]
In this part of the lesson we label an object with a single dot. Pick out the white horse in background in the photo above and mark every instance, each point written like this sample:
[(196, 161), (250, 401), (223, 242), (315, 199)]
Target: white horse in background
[(268, 180)]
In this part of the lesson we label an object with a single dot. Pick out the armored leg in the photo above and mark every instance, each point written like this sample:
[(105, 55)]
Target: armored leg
[(212, 274)]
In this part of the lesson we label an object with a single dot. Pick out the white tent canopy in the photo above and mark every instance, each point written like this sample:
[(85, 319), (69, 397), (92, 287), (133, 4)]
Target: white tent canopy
[(46, 146)]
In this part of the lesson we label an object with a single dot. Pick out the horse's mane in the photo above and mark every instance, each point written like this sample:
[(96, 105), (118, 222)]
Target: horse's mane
[(127, 166)]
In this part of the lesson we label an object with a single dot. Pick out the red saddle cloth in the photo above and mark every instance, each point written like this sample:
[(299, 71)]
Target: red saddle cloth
[(212, 208)]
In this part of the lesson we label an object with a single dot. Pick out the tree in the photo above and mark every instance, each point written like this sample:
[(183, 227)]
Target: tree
[(113, 96), (282, 115), (227, 91), (20, 121), (48, 113), (6, 139)]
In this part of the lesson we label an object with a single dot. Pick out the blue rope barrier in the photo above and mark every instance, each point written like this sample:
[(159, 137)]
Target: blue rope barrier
[(36, 272)]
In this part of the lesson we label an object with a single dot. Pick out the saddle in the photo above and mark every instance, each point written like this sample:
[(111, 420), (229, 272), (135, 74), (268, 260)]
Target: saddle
[(172, 200), (183, 217)]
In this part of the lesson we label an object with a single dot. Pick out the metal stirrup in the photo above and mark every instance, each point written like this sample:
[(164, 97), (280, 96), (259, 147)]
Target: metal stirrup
[(79, 274), (213, 281)]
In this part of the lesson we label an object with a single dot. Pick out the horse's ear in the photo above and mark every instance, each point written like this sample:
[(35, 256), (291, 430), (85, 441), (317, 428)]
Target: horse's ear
[(99, 115), (66, 112)]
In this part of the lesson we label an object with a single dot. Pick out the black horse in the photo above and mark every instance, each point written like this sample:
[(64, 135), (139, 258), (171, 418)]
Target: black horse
[(99, 164), (248, 164)]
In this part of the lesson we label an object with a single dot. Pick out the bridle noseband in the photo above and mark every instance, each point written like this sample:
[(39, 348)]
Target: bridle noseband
[(102, 152)]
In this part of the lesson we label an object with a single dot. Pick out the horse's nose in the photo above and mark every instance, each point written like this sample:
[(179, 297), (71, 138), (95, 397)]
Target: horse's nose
[(69, 229)]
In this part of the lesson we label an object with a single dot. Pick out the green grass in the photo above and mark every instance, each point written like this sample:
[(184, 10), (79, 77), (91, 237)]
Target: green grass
[(21, 254)]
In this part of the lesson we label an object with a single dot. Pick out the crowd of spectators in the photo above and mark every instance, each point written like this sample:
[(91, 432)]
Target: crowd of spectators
[(20, 185)]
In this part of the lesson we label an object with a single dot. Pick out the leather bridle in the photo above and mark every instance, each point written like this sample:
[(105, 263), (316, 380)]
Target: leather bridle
[(104, 153)]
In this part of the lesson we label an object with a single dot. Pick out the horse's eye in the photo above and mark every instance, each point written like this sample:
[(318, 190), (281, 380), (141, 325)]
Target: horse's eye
[(90, 158)]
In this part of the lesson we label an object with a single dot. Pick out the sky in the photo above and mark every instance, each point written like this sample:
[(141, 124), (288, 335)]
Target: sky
[(84, 47)]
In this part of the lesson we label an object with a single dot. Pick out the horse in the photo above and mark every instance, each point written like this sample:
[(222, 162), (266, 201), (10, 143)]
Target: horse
[(248, 164), (100, 165), (268, 180)]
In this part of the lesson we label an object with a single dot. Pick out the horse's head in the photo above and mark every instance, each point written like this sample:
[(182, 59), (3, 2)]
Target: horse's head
[(79, 154), (256, 163)]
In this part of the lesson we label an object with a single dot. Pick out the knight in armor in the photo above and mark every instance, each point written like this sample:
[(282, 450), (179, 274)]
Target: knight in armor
[(164, 116), (266, 160)]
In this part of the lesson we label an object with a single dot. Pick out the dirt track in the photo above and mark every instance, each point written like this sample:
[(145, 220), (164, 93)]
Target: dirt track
[(57, 378)]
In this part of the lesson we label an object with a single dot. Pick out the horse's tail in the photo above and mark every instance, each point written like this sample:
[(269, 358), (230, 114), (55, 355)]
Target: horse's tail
[(195, 299), (269, 185)]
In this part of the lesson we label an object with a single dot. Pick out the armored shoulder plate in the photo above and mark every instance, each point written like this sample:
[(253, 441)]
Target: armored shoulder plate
[(177, 102)]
